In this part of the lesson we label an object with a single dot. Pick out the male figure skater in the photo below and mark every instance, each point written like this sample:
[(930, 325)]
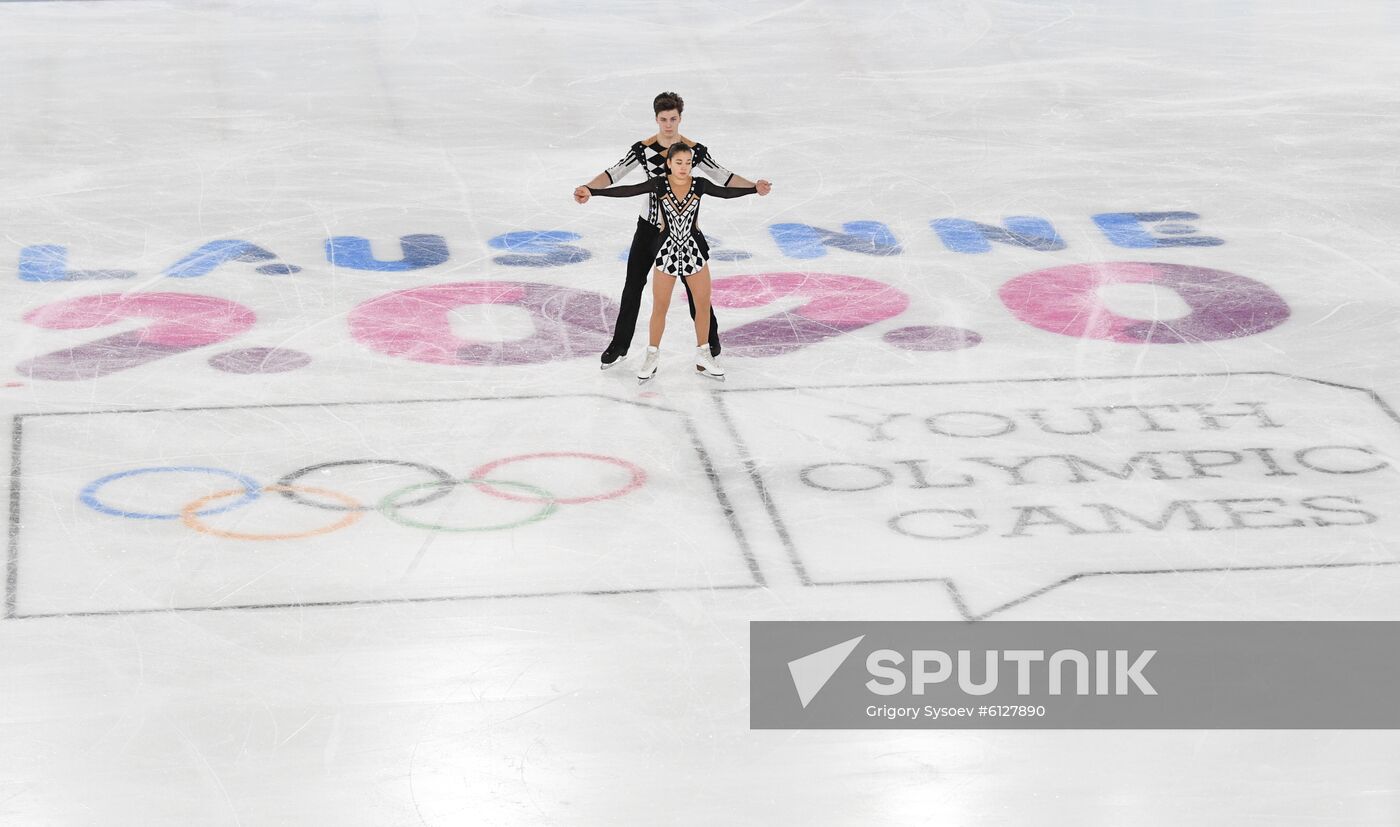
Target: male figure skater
[(649, 154)]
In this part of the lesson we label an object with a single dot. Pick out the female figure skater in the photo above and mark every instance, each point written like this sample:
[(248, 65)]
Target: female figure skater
[(683, 254)]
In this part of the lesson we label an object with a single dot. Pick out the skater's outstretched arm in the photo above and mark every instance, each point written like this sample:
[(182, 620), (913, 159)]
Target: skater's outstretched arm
[(612, 174), (628, 190), (706, 165), (709, 188), (621, 169)]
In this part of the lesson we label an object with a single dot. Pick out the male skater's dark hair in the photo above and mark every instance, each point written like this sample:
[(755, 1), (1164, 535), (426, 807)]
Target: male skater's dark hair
[(667, 101)]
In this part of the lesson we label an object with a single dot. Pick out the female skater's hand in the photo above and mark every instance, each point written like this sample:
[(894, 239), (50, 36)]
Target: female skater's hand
[(764, 187), (581, 195)]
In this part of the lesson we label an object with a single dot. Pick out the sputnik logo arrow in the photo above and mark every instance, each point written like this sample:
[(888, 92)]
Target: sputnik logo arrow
[(811, 672)]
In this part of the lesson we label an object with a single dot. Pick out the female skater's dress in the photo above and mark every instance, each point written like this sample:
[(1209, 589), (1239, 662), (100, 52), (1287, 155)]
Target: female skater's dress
[(683, 250)]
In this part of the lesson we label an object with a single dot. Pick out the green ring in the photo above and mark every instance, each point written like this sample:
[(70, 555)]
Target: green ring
[(390, 508)]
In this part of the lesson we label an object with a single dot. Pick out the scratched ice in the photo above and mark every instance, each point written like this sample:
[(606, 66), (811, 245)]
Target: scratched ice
[(321, 511)]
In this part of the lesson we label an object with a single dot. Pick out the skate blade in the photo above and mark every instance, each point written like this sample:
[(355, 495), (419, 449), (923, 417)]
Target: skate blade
[(718, 377), (642, 380)]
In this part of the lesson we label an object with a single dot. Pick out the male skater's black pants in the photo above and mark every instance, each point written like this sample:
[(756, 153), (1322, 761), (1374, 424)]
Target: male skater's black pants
[(640, 261)]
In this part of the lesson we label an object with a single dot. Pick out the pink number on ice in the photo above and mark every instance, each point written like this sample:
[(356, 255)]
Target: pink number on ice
[(834, 305), (417, 323), (179, 322), (1065, 300)]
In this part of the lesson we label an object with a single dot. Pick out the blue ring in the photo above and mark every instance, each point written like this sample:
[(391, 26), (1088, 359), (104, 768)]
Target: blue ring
[(251, 491)]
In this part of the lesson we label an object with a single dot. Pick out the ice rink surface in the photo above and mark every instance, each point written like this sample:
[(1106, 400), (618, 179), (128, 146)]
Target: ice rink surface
[(1057, 311)]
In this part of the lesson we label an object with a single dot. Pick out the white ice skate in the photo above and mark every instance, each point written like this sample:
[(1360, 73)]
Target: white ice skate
[(705, 364), (649, 366)]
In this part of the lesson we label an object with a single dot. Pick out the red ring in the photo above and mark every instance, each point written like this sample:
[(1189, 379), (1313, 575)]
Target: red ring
[(639, 477)]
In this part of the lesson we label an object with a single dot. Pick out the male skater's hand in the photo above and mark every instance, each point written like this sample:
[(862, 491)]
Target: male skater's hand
[(581, 195), (763, 187)]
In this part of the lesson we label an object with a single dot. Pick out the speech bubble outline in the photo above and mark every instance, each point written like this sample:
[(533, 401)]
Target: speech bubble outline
[(953, 584)]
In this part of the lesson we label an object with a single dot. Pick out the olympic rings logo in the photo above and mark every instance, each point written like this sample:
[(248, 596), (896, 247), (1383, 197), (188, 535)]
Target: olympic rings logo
[(391, 505)]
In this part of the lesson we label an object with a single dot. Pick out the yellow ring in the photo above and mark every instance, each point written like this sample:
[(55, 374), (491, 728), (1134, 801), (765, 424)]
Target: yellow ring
[(190, 517)]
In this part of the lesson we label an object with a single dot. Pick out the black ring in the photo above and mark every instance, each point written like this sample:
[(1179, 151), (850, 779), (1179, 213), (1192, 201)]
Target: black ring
[(447, 483)]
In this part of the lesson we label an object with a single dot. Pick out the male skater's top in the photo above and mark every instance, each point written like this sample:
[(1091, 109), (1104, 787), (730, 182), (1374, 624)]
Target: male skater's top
[(682, 253), (651, 157)]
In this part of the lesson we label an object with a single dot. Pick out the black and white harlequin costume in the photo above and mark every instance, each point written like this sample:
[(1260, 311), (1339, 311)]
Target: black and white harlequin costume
[(650, 157), (683, 249)]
